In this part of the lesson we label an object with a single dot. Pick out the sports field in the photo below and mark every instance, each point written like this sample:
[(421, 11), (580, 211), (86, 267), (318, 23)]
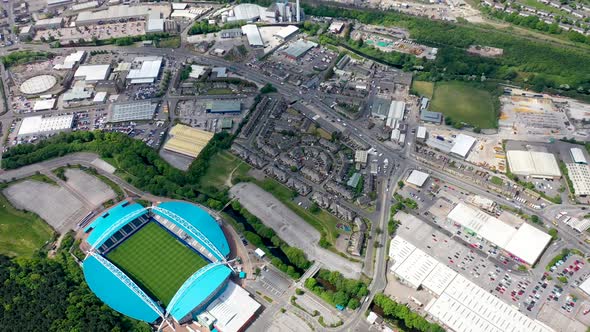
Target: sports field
[(21, 233), (157, 261), (464, 102)]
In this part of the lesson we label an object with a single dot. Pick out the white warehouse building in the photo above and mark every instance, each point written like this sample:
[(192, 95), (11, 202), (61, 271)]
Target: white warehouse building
[(533, 163)]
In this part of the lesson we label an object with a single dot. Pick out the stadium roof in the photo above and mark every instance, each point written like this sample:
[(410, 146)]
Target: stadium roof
[(148, 70), (92, 72), (233, 308), (251, 31), (39, 124), (201, 220), (198, 289), (111, 221), (528, 243), (44, 104), (463, 144), (287, 31), (417, 178), (533, 163), (119, 292), (130, 111), (187, 141), (578, 156)]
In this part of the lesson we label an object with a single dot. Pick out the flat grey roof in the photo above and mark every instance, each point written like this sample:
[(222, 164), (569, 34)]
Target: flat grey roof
[(141, 110)]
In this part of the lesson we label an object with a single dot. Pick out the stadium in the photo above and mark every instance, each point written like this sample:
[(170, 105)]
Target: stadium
[(164, 264)]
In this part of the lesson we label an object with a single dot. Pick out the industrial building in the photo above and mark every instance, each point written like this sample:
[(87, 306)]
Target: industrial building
[(286, 32), (298, 49), (57, 3), (117, 14), (380, 108), (84, 6), (144, 70), (360, 157), (579, 174), (578, 156), (71, 60), (187, 140), (224, 106), (49, 23), (421, 133), (44, 104), (417, 178), (336, 27), (462, 145), (35, 125), (526, 243), (395, 114), (132, 111), (458, 303), (277, 12), (431, 117), (155, 25), (534, 164), (92, 73), (253, 34)]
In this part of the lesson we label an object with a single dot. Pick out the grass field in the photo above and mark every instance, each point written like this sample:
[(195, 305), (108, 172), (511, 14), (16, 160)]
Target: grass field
[(172, 42), (220, 169), (157, 261), (322, 221), (464, 103), (423, 88), (21, 233)]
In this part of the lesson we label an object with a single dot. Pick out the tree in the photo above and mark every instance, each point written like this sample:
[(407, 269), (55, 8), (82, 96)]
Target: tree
[(314, 208), (268, 88), (553, 233), (294, 169), (535, 219), (400, 184)]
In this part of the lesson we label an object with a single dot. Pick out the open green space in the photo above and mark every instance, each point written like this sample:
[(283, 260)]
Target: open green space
[(496, 180), (323, 221), (423, 88), (21, 233), (157, 261), (170, 42), (220, 168), (464, 102)]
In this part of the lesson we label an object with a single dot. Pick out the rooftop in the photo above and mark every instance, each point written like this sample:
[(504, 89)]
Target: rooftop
[(462, 145), (92, 72), (130, 111), (187, 140), (533, 163), (417, 178), (254, 37), (39, 124)]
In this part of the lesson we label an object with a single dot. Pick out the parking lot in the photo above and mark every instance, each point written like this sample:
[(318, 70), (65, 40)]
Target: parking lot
[(100, 32)]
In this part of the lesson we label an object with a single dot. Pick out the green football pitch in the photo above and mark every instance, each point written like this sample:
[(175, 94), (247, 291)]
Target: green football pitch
[(157, 261)]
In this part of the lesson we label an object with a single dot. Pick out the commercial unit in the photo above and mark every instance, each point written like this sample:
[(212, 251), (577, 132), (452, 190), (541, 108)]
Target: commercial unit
[(49, 23), (417, 178), (395, 114), (462, 145), (253, 34), (71, 60), (579, 174), (578, 156), (361, 156), (155, 25), (44, 104), (458, 304), (132, 111), (224, 106), (421, 133), (35, 125), (144, 70), (92, 73), (432, 117), (380, 108), (187, 140), (84, 6), (533, 163), (116, 14), (526, 243), (286, 32), (298, 49), (57, 3)]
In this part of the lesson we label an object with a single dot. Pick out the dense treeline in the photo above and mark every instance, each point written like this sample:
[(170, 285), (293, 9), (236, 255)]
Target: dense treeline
[(25, 56), (403, 317), (42, 294), (295, 256), (333, 288), (539, 65), (139, 164), (203, 27)]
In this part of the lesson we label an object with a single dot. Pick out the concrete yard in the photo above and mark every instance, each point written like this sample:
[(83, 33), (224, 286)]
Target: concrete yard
[(310, 305), (94, 190), (56, 205), (291, 228), (288, 322)]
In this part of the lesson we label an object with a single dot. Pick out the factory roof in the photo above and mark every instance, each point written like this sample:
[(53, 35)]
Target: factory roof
[(299, 48), (148, 70), (113, 13), (233, 308), (416, 268), (533, 163), (396, 112), (100, 97), (92, 72), (197, 71), (85, 5), (44, 104), (380, 107), (417, 178), (187, 141), (528, 243), (585, 286), (130, 111), (247, 12), (578, 156), (77, 93), (421, 133), (71, 60), (428, 116), (360, 156), (179, 6), (439, 278), (38, 124), (184, 13), (579, 174), (399, 251), (49, 21), (224, 106), (155, 25), (254, 38), (287, 31), (462, 145)]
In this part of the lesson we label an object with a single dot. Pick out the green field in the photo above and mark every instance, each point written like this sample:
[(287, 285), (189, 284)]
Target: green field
[(21, 233), (423, 88), (220, 169), (157, 261), (464, 103), (322, 220)]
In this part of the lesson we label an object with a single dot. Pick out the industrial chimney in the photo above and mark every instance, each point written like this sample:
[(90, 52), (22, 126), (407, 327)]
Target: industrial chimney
[(298, 12)]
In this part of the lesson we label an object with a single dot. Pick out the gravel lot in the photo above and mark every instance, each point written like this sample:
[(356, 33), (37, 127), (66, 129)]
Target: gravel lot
[(94, 190)]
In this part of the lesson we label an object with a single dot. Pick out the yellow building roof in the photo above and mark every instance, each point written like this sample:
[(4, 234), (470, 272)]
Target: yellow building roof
[(187, 140)]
